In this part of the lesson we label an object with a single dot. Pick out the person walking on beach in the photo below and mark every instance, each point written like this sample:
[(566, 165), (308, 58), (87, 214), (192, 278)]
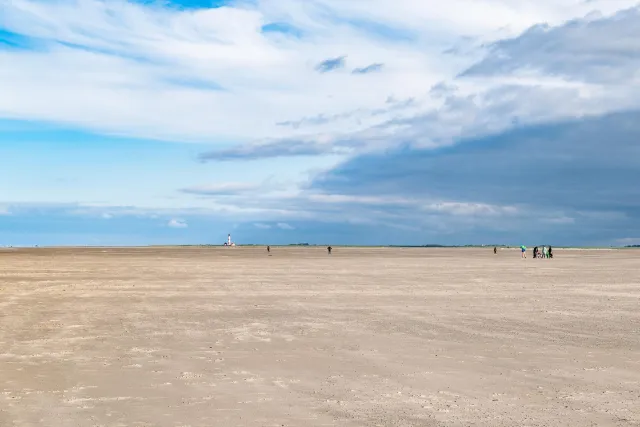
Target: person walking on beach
[(545, 253), (268, 249), (550, 253), (523, 248), (329, 250), (495, 250), (535, 252)]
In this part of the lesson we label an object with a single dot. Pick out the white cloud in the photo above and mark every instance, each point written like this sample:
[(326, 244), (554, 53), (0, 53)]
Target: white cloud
[(222, 189), (262, 226), (560, 220), (127, 77), (177, 223), (285, 226), (471, 209), (594, 49), (107, 216)]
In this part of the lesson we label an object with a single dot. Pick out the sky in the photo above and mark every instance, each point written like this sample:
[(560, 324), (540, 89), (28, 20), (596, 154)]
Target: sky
[(320, 121)]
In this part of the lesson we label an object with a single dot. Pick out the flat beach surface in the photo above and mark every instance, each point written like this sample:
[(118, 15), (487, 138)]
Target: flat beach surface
[(365, 337)]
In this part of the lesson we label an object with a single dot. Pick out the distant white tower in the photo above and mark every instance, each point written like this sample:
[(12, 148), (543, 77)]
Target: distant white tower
[(229, 240)]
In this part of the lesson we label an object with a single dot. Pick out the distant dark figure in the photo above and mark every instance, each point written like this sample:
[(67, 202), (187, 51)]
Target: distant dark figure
[(268, 249), (535, 252), (495, 250), (329, 250), (550, 253)]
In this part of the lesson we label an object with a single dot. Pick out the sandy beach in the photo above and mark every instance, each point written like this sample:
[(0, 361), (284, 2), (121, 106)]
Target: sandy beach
[(365, 337)]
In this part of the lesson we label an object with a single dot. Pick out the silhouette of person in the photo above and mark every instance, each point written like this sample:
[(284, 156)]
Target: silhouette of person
[(329, 250), (268, 248), (495, 250)]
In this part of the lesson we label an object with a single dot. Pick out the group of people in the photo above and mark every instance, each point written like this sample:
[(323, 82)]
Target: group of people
[(546, 252)]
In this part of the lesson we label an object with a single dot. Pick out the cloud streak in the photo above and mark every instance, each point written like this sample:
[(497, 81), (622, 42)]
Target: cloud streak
[(283, 148), (373, 68), (331, 64), (221, 189), (285, 226), (177, 223)]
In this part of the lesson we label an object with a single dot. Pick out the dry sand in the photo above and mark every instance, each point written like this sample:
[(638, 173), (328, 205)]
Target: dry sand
[(365, 337)]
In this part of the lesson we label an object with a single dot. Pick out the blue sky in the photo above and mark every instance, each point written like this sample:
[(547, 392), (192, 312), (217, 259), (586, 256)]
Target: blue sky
[(325, 121)]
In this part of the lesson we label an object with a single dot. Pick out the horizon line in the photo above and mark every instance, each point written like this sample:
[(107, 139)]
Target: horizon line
[(427, 246)]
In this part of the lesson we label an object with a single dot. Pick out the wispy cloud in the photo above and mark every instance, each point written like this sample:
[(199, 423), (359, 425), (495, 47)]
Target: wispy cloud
[(391, 105), (368, 69), (221, 189), (282, 28), (285, 226), (11, 40), (177, 223), (379, 30), (282, 148), (331, 64), (442, 90)]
